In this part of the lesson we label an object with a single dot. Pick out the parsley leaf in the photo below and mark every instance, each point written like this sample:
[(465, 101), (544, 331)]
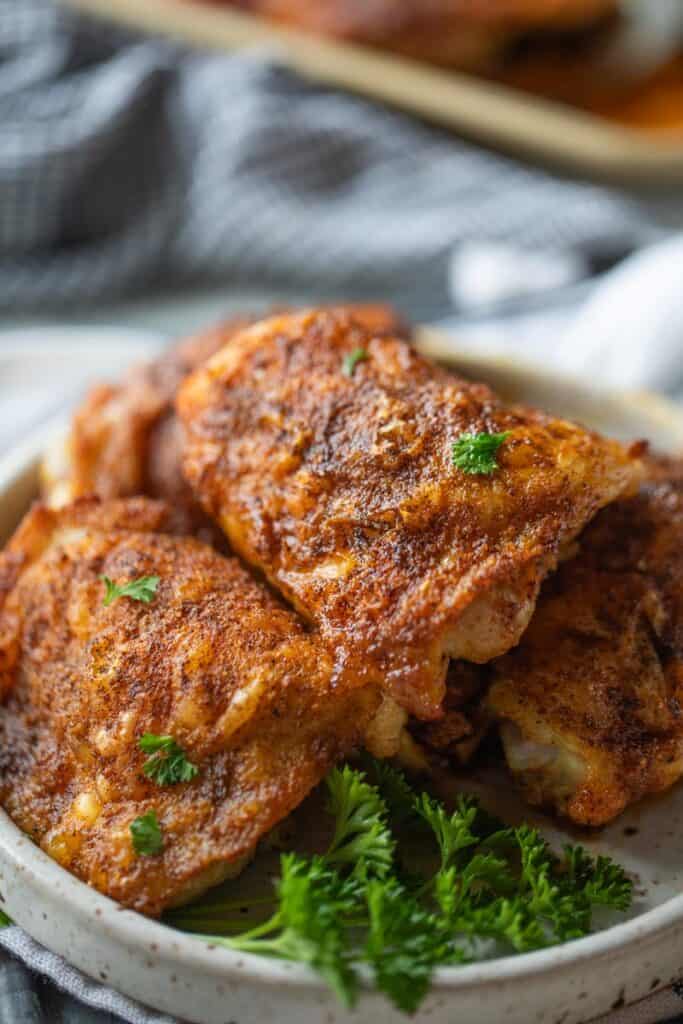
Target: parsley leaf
[(476, 453), (405, 943), (394, 789), (453, 831), (359, 355), (312, 902), (309, 924), (142, 589), (568, 914), (361, 836), (167, 764), (5, 920), (609, 886), (507, 920), (146, 835), (605, 884)]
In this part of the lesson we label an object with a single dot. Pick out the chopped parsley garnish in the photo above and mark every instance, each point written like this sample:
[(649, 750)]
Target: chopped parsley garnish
[(146, 835), (167, 763), (356, 905), (359, 355), (476, 453), (142, 589), (5, 921)]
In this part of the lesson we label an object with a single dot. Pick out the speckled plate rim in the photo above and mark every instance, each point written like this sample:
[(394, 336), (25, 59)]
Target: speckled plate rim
[(21, 859), (133, 928)]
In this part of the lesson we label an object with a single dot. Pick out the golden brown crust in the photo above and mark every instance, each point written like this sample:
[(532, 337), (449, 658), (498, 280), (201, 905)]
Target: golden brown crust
[(215, 661), (342, 491), (125, 439), (598, 675), (463, 33)]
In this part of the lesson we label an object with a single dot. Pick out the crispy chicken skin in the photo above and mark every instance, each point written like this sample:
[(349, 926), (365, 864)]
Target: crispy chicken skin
[(125, 438), (462, 33), (591, 701), (341, 489), (214, 660)]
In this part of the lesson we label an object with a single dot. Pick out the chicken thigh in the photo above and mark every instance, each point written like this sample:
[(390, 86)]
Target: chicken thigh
[(590, 704), (326, 453), (207, 668)]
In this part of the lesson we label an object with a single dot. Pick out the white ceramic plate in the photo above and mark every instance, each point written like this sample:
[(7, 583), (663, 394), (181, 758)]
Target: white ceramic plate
[(569, 984)]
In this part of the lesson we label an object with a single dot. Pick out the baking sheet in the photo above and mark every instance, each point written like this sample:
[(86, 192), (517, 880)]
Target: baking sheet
[(487, 111)]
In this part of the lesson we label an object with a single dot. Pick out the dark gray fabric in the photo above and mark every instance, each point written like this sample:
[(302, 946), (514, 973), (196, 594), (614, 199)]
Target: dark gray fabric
[(19, 1002), (69, 997), (127, 161)]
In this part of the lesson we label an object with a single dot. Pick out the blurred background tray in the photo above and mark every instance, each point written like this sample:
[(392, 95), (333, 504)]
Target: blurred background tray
[(626, 121)]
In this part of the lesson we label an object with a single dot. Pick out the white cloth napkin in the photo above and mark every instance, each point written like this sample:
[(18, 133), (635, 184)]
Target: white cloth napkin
[(626, 332), (631, 330)]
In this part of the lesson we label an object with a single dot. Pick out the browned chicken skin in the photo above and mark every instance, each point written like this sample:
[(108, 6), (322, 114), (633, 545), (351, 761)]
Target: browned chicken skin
[(591, 702), (214, 660), (125, 438), (341, 489), (462, 33)]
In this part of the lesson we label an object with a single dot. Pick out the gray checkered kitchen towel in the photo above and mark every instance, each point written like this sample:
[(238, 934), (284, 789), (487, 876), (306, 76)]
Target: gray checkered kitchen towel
[(125, 162)]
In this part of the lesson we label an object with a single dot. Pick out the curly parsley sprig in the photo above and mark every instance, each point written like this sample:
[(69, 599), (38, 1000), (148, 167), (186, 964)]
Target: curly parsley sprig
[(352, 905), (361, 835)]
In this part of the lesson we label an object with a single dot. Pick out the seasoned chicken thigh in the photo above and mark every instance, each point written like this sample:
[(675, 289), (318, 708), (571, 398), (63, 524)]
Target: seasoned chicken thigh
[(212, 663), (125, 438), (591, 702), (325, 452)]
